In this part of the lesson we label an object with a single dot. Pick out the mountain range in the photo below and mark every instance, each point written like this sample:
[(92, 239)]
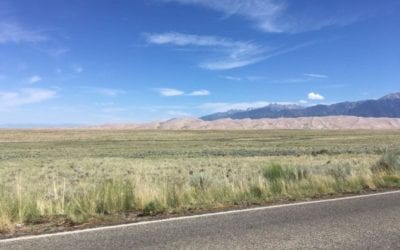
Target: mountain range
[(386, 106)]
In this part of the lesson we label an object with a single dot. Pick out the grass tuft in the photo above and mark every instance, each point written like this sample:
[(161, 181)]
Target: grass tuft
[(153, 208), (274, 172)]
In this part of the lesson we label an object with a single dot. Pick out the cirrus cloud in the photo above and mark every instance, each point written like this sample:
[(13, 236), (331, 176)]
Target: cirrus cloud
[(312, 75), (176, 92), (226, 53), (283, 16), (263, 12), (14, 33), (104, 91), (25, 96), (232, 54)]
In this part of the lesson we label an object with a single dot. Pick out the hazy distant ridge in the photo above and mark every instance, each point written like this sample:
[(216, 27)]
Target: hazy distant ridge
[(329, 122)]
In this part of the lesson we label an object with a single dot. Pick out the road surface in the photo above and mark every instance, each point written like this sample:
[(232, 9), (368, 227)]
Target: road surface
[(364, 222)]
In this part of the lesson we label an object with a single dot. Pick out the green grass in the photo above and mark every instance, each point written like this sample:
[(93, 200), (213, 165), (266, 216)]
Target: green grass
[(80, 176)]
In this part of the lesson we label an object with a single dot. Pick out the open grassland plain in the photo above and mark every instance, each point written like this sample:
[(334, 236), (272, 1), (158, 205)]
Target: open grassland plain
[(60, 179)]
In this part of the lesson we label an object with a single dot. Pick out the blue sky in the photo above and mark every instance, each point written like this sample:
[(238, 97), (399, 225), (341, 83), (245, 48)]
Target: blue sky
[(98, 61)]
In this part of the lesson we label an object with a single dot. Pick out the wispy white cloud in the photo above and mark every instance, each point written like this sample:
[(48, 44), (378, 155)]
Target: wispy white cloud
[(229, 64), (24, 96), (315, 96), (40, 40), (104, 91), (303, 79), (274, 16), (201, 92), (315, 75), (170, 92), (187, 39), (14, 33), (232, 78), (235, 54), (34, 79), (291, 80), (244, 78), (176, 92), (264, 13), (285, 50)]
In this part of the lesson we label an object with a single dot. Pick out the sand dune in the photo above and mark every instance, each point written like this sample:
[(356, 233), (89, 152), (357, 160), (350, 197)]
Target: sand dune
[(327, 122)]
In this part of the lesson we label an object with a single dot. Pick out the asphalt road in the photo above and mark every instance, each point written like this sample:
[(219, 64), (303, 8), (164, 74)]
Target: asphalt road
[(368, 222)]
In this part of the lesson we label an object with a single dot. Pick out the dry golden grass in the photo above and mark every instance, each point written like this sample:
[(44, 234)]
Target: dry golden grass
[(76, 176)]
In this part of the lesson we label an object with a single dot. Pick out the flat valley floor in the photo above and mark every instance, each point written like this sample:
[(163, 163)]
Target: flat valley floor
[(63, 178)]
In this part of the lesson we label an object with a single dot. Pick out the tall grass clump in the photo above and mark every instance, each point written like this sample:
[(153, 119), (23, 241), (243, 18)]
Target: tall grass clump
[(278, 177), (282, 179), (104, 198), (113, 196), (274, 172)]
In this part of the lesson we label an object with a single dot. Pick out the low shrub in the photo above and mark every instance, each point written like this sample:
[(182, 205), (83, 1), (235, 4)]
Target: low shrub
[(200, 181), (153, 208), (274, 172), (339, 172), (388, 163)]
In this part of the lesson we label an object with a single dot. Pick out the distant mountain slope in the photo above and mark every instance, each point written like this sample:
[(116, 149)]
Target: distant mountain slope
[(328, 122), (387, 106)]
